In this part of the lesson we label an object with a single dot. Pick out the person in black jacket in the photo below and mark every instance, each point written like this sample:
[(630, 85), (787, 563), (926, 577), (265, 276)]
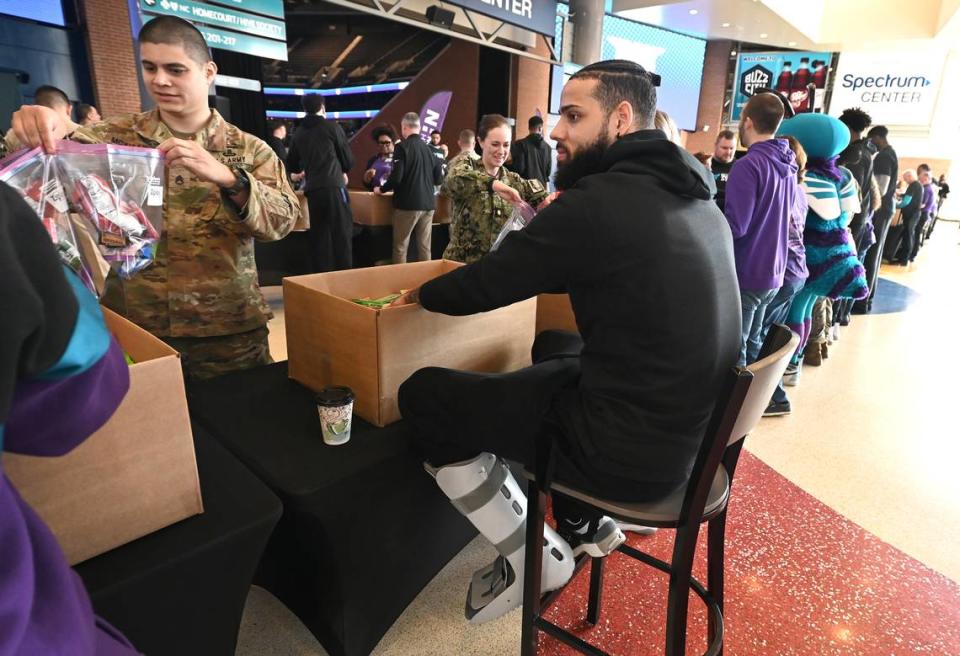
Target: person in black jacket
[(415, 176), (910, 205), (275, 139), (531, 156), (320, 150), (858, 158), (626, 408)]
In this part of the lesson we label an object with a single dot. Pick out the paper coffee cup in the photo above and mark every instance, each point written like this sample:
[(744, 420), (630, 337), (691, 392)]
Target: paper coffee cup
[(335, 406)]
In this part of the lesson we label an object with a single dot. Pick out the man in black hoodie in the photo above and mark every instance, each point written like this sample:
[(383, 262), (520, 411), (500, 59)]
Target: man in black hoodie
[(531, 156), (625, 409), (320, 150)]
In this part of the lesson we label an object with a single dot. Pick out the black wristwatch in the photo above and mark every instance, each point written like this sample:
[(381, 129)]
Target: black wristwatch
[(242, 184)]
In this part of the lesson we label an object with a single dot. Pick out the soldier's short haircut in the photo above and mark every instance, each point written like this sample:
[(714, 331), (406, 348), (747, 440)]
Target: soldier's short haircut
[(466, 137), (725, 134), (83, 111), (173, 31), (51, 97), (313, 103), (411, 120), (619, 80), (766, 111), (490, 122)]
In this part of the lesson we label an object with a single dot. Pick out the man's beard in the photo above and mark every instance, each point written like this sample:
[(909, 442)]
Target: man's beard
[(586, 162)]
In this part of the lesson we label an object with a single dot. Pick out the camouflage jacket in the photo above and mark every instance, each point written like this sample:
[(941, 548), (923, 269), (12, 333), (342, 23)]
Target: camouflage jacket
[(479, 214), (204, 280)]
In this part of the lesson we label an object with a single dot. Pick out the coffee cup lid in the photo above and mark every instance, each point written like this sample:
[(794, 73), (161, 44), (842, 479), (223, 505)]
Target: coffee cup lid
[(334, 395)]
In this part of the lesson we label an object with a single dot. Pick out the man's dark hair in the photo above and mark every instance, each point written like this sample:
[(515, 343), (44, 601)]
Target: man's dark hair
[(274, 125), (878, 131), (173, 31), (535, 123), (435, 132), (313, 103), (83, 111), (922, 168), (725, 134), (619, 80), (856, 119), (381, 130), (766, 111), (51, 97)]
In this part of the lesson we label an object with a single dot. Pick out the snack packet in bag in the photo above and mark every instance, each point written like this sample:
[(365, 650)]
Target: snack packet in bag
[(521, 216), (33, 175), (118, 190)]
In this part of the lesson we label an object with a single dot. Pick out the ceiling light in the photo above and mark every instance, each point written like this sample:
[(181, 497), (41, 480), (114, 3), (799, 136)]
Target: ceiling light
[(694, 12), (763, 35), (733, 53), (725, 25)]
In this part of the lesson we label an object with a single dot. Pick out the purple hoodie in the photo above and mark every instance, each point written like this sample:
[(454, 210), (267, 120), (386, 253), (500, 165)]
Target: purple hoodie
[(796, 253), (929, 199), (761, 191)]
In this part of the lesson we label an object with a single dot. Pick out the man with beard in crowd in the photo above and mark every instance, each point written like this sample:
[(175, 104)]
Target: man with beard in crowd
[(625, 407)]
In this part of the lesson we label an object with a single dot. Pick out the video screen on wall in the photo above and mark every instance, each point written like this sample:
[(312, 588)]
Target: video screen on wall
[(676, 58), (44, 11)]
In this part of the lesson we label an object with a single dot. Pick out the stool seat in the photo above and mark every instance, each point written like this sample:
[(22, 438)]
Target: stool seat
[(665, 512)]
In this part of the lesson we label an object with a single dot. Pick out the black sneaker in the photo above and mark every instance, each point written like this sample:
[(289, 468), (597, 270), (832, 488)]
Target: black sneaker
[(602, 542), (777, 409)]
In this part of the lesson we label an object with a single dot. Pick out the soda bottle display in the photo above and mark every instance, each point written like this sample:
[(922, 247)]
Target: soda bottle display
[(819, 74), (785, 81), (799, 96)]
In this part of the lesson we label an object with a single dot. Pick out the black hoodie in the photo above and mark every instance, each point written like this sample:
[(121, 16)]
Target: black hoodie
[(320, 149), (532, 158), (647, 259)]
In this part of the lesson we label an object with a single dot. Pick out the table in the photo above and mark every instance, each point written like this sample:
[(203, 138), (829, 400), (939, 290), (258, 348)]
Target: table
[(182, 589), (364, 527)]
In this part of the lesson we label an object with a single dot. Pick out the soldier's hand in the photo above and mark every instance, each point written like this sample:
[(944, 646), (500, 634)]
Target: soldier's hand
[(507, 192), (36, 125), (411, 297), (196, 159)]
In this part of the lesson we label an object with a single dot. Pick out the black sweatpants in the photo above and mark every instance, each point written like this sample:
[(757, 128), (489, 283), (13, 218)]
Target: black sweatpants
[(331, 229), (456, 415)]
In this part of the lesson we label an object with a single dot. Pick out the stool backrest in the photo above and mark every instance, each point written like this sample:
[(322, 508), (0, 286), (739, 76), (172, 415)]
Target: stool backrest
[(743, 397)]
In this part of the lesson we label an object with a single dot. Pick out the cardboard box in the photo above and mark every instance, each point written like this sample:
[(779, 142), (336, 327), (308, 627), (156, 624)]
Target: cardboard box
[(373, 210), (333, 341), (554, 312), (135, 475)]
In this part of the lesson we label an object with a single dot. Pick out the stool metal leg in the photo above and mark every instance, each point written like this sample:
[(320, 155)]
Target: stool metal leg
[(596, 590), (533, 568), (716, 533), (681, 570)]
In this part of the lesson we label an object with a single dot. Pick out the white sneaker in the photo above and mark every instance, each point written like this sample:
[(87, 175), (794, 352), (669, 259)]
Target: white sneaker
[(791, 377), (835, 332), (636, 528)]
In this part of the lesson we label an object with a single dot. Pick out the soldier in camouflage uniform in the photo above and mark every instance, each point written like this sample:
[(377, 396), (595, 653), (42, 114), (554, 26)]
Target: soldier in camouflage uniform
[(223, 189), (483, 192)]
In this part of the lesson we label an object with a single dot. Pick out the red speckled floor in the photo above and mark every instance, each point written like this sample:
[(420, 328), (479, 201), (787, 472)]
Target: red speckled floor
[(801, 580)]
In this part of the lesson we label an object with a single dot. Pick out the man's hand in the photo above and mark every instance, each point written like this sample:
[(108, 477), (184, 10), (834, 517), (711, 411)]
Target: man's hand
[(297, 177), (36, 125), (196, 159), (378, 191), (411, 297), (545, 203), (346, 179), (368, 175), (507, 192)]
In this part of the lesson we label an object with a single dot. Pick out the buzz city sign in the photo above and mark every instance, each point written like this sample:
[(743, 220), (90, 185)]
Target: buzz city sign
[(895, 88)]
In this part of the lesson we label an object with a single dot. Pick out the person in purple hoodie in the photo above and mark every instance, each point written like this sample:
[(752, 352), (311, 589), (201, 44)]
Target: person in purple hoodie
[(61, 377), (761, 192)]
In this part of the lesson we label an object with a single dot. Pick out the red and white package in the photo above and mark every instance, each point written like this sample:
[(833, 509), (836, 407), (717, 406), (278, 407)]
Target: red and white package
[(118, 190), (32, 173)]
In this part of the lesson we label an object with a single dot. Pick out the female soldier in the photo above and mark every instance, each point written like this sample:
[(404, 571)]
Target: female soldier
[(482, 192)]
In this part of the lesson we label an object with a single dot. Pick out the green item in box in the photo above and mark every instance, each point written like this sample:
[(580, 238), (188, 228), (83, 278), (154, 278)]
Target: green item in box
[(377, 303)]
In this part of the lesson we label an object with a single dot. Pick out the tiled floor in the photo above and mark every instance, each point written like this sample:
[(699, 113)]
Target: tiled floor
[(873, 438)]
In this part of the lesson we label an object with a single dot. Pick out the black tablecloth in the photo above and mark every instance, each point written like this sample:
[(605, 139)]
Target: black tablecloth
[(364, 527), (182, 589)]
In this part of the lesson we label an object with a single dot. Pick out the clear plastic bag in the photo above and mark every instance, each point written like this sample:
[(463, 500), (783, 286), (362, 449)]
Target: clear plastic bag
[(522, 215), (33, 175), (118, 190)]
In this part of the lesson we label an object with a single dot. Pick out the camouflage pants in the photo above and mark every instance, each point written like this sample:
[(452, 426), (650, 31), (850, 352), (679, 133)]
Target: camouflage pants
[(206, 357), (822, 320)]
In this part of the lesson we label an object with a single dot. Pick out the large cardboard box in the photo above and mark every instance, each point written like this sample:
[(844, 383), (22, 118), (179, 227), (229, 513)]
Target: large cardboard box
[(373, 210), (333, 341), (135, 475), (554, 312)]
